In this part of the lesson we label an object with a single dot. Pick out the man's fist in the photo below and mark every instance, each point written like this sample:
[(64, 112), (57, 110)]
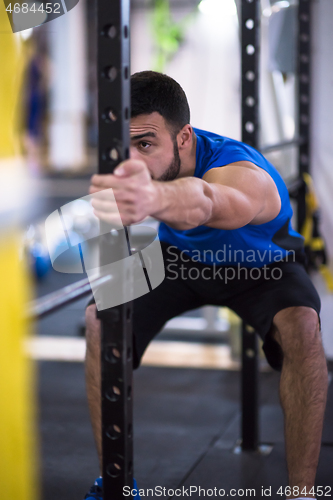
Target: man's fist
[(134, 193)]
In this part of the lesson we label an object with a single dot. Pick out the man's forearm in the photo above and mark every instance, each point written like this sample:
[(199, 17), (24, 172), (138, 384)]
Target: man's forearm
[(182, 203)]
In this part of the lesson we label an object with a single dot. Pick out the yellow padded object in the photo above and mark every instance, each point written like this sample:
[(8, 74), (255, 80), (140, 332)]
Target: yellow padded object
[(18, 450)]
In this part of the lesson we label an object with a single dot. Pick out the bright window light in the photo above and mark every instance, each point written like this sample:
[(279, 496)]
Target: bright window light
[(276, 7), (283, 4), (218, 7)]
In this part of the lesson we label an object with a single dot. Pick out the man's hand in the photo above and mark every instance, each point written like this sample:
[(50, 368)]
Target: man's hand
[(133, 189)]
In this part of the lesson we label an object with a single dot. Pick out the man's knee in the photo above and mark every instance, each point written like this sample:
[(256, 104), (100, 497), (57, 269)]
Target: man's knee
[(297, 330)]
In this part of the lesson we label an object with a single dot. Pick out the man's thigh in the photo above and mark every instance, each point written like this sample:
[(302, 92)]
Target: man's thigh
[(151, 311), (262, 303)]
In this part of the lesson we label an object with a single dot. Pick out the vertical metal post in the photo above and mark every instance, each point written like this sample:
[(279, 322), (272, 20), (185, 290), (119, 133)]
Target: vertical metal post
[(113, 73), (250, 413), (304, 83), (303, 68), (250, 37)]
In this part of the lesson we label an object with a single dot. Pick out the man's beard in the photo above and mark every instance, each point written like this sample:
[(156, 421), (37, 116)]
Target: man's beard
[(174, 168)]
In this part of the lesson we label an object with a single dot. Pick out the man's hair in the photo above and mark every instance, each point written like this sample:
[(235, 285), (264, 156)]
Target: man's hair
[(152, 91)]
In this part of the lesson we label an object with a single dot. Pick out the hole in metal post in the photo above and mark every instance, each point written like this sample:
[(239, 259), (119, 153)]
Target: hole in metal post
[(126, 113), (249, 127), (112, 355), (126, 73), (111, 73), (109, 115), (129, 430), (112, 115), (113, 469), (113, 154), (113, 393), (250, 76), (125, 31), (113, 432), (250, 101), (249, 24), (127, 155), (115, 353), (129, 392), (110, 31), (250, 50)]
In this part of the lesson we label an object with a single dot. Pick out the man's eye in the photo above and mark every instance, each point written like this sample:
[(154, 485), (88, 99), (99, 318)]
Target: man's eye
[(144, 144)]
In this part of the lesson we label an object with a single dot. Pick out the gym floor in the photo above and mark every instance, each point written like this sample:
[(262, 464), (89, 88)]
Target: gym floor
[(186, 425), (186, 422)]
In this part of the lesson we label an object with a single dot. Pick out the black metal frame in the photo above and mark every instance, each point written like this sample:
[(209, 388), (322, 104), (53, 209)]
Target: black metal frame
[(303, 68), (250, 33), (280, 145), (51, 302), (113, 74), (250, 42)]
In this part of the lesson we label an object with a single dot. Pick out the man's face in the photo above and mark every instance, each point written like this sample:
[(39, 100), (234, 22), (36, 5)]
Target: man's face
[(151, 142)]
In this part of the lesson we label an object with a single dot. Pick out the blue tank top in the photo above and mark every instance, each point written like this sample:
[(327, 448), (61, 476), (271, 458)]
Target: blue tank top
[(250, 245)]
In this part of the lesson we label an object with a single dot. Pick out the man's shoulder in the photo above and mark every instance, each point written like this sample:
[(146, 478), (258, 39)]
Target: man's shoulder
[(207, 133), (212, 140), (218, 151), (215, 150)]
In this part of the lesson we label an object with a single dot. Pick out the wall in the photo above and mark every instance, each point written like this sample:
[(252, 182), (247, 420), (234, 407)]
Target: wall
[(207, 64), (322, 113), (322, 143)]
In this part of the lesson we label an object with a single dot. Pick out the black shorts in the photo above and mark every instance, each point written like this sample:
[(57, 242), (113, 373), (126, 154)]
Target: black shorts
[(256, 295)]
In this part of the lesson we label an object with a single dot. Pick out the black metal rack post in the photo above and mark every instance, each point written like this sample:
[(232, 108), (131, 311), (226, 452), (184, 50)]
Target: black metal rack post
[(250, 31), (113, 73), (250, 404), (303, 69)]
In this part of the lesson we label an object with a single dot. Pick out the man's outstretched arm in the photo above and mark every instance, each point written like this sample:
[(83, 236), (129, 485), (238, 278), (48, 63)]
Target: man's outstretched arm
[(226, 198)]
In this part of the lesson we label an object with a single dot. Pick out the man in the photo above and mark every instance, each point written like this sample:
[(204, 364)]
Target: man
[(224, 212)]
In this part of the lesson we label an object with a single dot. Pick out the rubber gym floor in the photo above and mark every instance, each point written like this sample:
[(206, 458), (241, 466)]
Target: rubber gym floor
[(186, 423)]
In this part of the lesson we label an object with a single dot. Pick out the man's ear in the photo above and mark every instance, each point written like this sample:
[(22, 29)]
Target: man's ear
[(184, 137)]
